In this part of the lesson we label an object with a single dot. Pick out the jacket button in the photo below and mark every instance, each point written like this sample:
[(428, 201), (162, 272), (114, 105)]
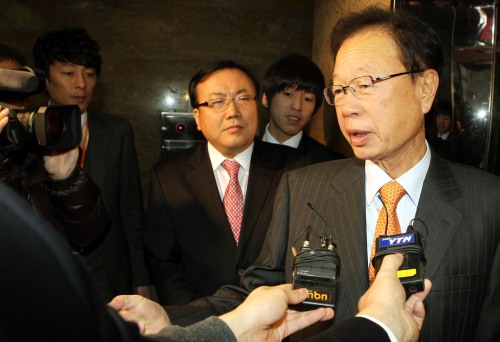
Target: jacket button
[(241, 271)]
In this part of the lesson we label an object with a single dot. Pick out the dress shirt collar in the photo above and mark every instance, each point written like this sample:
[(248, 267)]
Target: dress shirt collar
[(244, 158), (292, 142), (444, 136), (412, 180), (83, 119)]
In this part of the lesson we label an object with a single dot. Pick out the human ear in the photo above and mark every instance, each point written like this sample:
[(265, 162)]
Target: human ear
[(429, 86), (196, 114), (265, 103)]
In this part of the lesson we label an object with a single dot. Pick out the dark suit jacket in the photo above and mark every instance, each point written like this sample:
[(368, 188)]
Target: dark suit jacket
[(445, 148), (356, 329), (188, 241), (315, 151), (111, 162), (459, 206)]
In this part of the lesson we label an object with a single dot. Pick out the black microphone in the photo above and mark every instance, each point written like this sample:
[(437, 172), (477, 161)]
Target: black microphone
[(411, 272), (386, 213), (305, 244), (309, 204), (18, 81), (317, 269)]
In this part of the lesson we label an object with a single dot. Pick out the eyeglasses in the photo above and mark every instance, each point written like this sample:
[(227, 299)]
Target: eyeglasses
[(219, 105), (362, 87)]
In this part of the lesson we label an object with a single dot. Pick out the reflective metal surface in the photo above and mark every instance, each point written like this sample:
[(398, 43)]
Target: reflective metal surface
[(178, 132), (467, 29)]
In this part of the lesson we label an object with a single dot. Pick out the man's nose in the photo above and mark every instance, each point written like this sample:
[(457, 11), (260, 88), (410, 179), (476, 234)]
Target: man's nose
[(297, 102), (232, 108), (351, 103), (80, 81)]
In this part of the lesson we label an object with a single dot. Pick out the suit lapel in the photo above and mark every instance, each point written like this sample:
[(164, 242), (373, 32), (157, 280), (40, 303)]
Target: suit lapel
[(259, 185), (205, 188), (440, 217), (346, 209)]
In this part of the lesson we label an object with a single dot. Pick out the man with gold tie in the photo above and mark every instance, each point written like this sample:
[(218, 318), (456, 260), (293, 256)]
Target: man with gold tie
[(385, 77)]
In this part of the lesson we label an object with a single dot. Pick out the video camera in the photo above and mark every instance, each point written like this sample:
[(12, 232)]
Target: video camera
[(38, 130)]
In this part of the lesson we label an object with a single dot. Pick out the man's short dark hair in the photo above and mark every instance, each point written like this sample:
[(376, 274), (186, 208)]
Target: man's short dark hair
[(210, 69), (295, 72), (8, 53), (443, 107), (68, 45), (419, 44)]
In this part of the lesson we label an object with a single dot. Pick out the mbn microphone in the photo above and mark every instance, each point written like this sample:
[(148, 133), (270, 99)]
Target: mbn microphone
[(317, 269)]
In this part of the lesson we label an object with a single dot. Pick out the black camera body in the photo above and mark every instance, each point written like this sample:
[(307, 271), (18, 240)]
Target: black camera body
[(318, 270), (41, 130), (38, 130), (411, 272)]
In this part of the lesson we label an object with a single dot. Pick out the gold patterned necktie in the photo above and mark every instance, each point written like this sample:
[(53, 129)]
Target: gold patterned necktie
[(233, 198), (391, 193)]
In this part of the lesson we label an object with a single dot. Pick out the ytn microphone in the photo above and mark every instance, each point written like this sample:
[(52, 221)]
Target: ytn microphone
[(411, 271), (317, 269)]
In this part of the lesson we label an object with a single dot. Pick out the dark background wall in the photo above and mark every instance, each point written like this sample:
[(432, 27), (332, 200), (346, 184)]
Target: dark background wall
[(151, 48), (324, 126)]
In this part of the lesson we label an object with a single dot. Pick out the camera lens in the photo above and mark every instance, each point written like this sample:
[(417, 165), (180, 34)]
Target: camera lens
[(54, 126)]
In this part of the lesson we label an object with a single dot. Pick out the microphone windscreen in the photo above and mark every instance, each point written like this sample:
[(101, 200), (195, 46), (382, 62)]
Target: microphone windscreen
[(18, 81)]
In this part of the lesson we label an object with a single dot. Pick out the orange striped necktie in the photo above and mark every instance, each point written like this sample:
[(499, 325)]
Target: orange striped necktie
[(391, 193)]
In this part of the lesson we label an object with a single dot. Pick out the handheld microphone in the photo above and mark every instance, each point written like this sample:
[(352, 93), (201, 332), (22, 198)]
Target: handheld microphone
[(411, 271), (317, 269)]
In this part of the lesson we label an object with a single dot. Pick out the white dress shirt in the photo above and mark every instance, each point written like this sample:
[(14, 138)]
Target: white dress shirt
[(221, 175), (412, 181), (292, 142)]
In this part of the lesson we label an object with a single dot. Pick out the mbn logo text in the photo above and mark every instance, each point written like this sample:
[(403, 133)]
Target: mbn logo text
[(320, 296)]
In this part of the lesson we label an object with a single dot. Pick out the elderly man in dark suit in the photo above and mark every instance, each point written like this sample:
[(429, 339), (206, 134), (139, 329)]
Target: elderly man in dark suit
[(385, 78), (191, 245), (72, 63)]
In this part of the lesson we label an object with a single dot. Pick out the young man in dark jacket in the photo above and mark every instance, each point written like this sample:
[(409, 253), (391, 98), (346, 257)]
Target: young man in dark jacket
[(58, 190)]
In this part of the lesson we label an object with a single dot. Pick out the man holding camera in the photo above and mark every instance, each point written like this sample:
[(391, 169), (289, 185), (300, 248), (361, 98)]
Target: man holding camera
[(55, 186), (71, 61)]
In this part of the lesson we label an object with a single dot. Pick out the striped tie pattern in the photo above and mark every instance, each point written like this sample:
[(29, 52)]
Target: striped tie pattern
[(233, 198), (391, 193)]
